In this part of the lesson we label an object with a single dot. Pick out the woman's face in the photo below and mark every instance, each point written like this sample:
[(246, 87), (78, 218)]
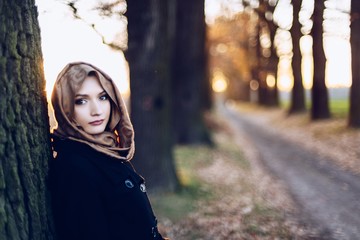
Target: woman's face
[(92, 106)]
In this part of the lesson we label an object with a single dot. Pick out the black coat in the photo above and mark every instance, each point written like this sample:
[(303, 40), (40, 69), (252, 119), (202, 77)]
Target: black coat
[(96, 197)]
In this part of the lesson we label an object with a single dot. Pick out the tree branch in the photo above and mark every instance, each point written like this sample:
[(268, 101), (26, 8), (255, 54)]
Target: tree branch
[(75, 12)]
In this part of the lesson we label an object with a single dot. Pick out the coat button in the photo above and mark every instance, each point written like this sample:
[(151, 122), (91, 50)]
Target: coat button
[(154, 231), (143, 187), (128, 183)]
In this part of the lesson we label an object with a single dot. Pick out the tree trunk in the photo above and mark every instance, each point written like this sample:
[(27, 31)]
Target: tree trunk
[(273, 67), (354, 115), (268, 95), (319, 93), (206, 98), (261, 73), (297, 94), (189, 74), (263, 89), (148, 54), (24, 126)]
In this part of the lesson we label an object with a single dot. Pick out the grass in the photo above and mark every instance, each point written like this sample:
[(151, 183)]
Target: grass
[(175, 206), (339, 108)]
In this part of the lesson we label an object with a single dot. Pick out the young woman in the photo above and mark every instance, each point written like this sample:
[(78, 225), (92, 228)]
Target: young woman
[(96, 193)]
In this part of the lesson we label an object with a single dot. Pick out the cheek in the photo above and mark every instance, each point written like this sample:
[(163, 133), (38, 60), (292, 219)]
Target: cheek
[(79, 114), (107, 109)]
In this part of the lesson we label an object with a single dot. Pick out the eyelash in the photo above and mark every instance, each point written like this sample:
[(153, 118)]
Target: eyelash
[(104, 97), (79, 101), (82, 101)]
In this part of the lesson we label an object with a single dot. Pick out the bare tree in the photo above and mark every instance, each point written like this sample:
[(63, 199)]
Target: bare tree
[(190, 83), (149, 52), (354, 115), (265, 12), (24, 125), (297, 93), (261, 67), (267, 58), (320, 102)]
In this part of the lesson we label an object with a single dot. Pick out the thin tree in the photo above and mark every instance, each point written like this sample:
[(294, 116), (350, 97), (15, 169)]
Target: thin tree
[(320, 102), (148, 54), (24, 125), (254, 51), (273, 59), (190, 83), (297, 93), (354, 114), (267, 63), (260, 72), (262, 61), (273, 67)]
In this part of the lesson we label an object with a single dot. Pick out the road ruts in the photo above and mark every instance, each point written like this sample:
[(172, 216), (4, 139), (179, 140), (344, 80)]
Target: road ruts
[(328, 197)]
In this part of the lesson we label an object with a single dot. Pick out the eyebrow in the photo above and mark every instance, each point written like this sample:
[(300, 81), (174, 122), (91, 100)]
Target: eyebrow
[(86, 95)]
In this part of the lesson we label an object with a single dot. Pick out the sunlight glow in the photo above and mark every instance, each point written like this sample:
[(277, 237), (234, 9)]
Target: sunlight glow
[(285, 82), (270, 80), (254, 85), (307, 61), (338, 66), (285, 78), (217, 8), (219, 82)]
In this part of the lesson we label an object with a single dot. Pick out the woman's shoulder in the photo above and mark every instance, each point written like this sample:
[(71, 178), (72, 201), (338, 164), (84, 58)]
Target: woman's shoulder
[(68, 149), (79, 157), (69, 146), (73, 157)]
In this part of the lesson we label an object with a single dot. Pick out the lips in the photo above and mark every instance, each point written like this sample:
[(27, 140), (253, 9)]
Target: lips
[(97, 122)]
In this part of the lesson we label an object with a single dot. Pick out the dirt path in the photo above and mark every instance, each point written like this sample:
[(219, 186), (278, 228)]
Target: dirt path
[(327, 196)]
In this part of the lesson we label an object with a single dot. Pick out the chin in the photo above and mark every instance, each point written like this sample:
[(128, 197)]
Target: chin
[(95, 130)]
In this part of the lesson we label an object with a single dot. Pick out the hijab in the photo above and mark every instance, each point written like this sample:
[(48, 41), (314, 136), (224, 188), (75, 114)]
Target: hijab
[(118, 138)]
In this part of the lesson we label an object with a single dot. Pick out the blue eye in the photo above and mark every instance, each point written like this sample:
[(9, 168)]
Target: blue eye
[(104, 97), (80, 101)]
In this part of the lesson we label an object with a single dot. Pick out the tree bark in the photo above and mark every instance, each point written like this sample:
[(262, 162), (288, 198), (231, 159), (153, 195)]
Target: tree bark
[(24, 126), (354, 114), (297, 93), (206, 97), (319, 93), (189, 74), (148, 54)]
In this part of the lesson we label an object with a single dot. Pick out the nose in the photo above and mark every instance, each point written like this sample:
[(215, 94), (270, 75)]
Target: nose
[(96, 109)]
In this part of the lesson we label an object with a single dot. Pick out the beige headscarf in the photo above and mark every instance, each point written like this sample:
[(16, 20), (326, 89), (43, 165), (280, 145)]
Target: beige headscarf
[(118, 139)]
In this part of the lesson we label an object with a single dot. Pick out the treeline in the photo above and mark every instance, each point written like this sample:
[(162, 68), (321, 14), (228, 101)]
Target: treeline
[(245, 47)]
